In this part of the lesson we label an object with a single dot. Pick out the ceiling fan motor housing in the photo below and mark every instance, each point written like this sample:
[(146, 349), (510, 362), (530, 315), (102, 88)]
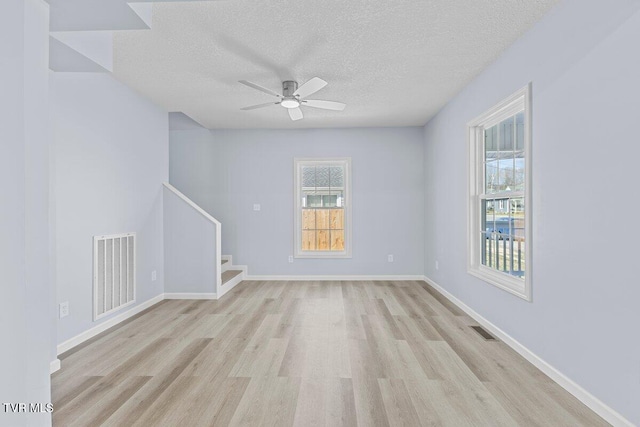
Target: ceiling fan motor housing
[(288, 88)]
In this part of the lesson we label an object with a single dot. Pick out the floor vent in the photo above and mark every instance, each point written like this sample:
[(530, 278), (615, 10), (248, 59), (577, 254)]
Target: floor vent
[(114, 273), (483, 333)]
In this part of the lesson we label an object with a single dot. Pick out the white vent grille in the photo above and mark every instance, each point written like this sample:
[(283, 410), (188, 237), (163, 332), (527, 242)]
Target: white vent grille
[(114, 273)]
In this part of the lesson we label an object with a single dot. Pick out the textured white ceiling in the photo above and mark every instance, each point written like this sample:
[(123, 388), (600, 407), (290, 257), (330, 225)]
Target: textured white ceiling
[(394, 63)]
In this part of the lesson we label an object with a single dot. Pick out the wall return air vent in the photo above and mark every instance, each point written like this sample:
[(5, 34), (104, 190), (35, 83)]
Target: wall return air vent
[(114, 273)]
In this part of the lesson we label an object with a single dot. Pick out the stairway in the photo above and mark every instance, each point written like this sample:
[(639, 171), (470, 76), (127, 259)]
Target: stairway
[(231, 275)]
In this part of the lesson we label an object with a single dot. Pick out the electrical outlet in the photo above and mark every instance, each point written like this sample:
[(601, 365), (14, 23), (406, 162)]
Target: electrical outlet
[(256, 207), (437, 265), (390, 258), (154, 276), (64, 309), (290, 258)]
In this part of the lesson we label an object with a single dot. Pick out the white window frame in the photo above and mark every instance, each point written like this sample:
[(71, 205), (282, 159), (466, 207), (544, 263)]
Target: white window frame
[(298, 163), (519, 101)]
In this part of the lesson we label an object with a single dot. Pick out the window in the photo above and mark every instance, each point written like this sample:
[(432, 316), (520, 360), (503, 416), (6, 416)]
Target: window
[(322, 208), (499, 195)]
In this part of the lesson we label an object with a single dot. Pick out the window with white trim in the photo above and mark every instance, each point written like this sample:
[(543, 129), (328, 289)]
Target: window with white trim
[(500, 195), (322, 208)]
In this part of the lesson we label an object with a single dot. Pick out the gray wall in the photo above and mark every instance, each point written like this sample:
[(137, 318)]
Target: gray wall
[(227, 171), (26, 303), (584, 317), (194, 167), (111, 154), (189, 248)]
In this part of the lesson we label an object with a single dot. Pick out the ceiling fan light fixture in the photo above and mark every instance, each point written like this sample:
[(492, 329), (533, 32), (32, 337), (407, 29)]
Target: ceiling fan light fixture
[(294, 97), (290, 103)]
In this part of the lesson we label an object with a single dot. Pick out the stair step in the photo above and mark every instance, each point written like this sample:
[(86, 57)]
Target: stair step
[(224, 261), (229, 274)]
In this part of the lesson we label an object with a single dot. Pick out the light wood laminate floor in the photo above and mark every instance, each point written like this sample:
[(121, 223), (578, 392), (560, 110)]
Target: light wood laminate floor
[(307, 354)]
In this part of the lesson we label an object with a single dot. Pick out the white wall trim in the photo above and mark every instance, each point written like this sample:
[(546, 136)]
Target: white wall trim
[(184, 295), (595, 404), (190, 202), (90, 333), (54, 366), (226, 287), (332, 277)]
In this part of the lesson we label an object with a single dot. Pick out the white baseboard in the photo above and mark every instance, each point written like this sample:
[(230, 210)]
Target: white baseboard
[(595, 404), (54, 366), (190, 296), (90, 333), (333, 277), (223, 289)]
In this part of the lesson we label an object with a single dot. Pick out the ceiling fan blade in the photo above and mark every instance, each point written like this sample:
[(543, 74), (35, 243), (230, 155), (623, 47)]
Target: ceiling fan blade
[(310, 87), (326, 105), (253, 107), (295, 113), (260, 88)]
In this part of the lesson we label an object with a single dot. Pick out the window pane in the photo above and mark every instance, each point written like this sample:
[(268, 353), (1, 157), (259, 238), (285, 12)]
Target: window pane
[(308, 177), (501, 211), (489, 216), (314, 201), (490, 243), (505, 175), (519, 171), (490, 141), (491, 177), (504, 254), (506, 134), (322, 219), (497, 251), (337, 240), (336, 177), (322, 176), (337, 219), (329, 200), (502, 241), (309, 240), (517, 215), (308, 219), (519, 268), (488, 219), (322, 240), (520, 131)]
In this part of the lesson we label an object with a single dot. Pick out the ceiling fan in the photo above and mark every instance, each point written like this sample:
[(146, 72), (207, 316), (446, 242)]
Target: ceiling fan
[(293, 97)]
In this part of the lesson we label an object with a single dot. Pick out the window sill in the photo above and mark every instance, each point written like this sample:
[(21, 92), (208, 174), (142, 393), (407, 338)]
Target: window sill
[(503, 281), (323, 255)]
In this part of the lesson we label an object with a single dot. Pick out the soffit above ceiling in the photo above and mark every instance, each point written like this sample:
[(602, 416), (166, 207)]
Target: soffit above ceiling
[(393, 63)]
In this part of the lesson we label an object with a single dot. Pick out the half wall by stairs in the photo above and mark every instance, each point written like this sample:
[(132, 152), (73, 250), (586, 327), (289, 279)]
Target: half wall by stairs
[(193, 261)]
